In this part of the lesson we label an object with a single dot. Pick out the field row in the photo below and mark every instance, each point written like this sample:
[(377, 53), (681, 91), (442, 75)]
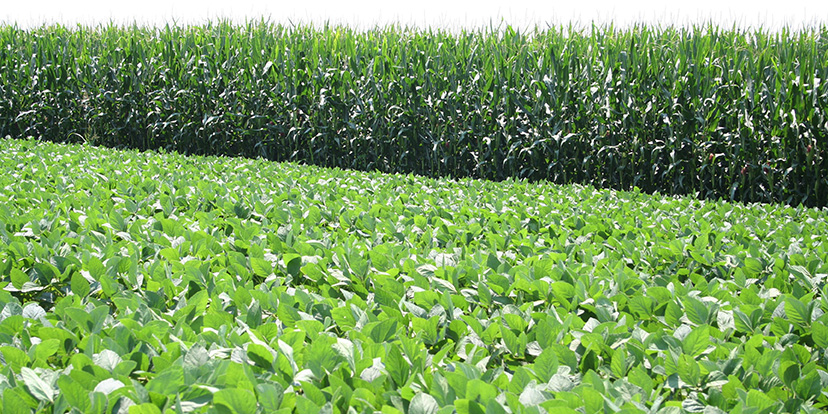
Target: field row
[(718, 113), (145, 283)]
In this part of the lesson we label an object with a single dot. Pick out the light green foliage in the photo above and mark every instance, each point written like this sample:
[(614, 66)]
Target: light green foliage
[(145, 283), (716, 112)]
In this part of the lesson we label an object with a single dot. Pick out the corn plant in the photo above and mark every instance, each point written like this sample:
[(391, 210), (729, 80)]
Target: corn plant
[(718, 113)]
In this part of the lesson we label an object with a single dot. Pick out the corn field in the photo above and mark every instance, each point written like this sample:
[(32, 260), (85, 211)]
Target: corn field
[(734, 114)]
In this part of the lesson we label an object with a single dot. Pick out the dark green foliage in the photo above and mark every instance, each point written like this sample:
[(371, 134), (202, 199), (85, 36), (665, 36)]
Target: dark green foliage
[(718, 113)]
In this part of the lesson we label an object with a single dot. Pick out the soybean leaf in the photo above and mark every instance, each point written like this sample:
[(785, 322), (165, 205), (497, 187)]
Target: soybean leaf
[(696, 341), (237, 401), (40, 389), (423, 404)]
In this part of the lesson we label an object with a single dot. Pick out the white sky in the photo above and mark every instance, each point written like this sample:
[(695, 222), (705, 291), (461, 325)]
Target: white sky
[(434, 13)]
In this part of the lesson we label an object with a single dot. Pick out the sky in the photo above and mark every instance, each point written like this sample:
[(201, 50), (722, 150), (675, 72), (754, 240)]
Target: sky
[(420, 13)]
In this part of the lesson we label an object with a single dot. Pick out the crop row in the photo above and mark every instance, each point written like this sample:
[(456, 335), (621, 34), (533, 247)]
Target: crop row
[(146, 283), (719, 113)]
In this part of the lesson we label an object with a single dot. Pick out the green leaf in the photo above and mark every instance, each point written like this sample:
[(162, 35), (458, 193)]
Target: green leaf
[(789, 372), (512, 342), (673, 314), (802, 274), (492, 261), (195, 358), (515, 322), (305, 405), (819, 333), (107, 360), (314, 394), (237, 401), (479, 390), (12, 325), (546, 365), (145, 408), (14, 403), (322, 357), (593, 400), (531, 396), (764, 364), (638, 376), (618, 365), (797, 312), (742, 321), (697, 311), (40, 389), (423, 404), (170, 254), (99, 402), (15, 357), (757, 399), (564, 410), (494, 407), (396, 365), (808, 387), (261, 267), (293, 263), (289, 315), (46, 348), (167, 382), (696, 341), (484, 295), (688, 370), (642, 306), (520, 380), (79, 285), (260, 356), (465, 406), (427, 329), (241, 210), (753, 267), (109, 385), (457, 383), (18, 278), (33, 311), (385, 330), (563, 291), (75, 394), (270, 396)]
